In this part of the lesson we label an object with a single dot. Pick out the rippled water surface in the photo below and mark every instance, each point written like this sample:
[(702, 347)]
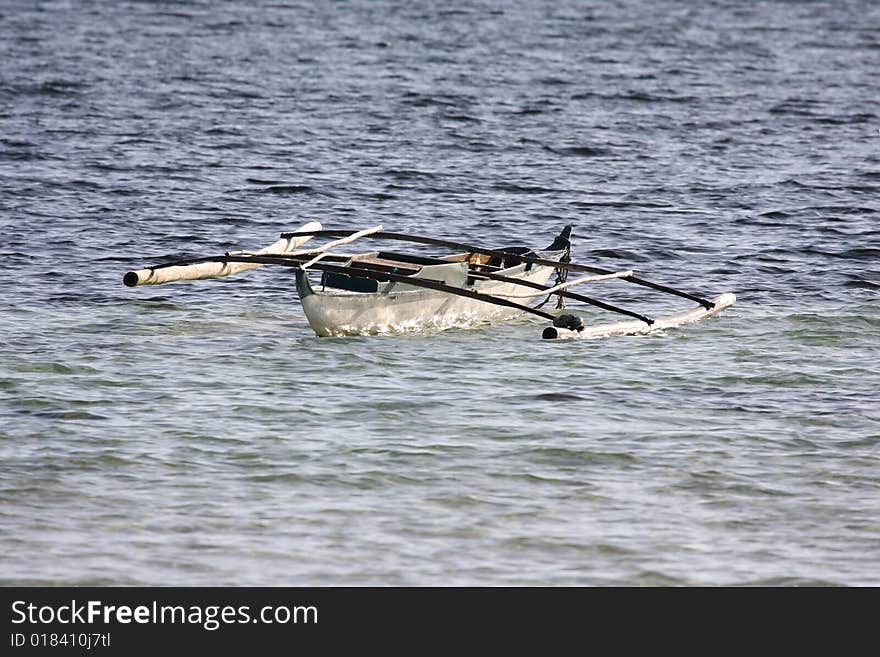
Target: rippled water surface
[(200, 434)]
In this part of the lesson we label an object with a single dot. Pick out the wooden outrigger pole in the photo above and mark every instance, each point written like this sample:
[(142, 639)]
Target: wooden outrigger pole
[(212, 267)]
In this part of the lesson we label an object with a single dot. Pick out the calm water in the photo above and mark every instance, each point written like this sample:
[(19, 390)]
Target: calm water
[(200, 434)]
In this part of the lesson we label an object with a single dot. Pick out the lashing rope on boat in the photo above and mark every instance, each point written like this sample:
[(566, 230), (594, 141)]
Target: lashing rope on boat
[(561, 278)]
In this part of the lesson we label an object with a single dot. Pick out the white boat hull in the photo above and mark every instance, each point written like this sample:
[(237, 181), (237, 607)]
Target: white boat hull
[(335, 313)]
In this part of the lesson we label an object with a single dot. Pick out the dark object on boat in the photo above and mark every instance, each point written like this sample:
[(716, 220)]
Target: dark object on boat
[(570, 322)]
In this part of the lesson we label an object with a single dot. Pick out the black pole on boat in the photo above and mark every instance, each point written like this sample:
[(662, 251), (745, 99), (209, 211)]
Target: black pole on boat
[(572, 266), (568, 295)]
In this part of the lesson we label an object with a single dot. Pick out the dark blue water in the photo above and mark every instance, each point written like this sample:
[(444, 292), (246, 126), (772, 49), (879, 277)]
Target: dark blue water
[(199, 433)]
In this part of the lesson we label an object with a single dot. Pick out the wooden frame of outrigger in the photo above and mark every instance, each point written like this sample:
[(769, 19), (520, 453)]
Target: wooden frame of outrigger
[(564, 326)]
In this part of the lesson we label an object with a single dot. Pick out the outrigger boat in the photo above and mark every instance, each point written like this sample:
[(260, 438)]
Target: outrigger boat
[(379, 291)]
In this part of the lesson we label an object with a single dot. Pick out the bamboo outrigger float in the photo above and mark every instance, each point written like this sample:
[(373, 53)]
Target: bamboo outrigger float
[(387, 292)]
